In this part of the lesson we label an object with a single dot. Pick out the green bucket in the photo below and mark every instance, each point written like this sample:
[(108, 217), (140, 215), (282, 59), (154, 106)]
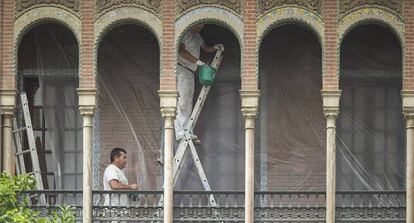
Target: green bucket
[(206, 75)]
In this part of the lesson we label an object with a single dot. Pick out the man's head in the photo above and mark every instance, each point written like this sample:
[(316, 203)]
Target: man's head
[(197, 28), (118, 157)]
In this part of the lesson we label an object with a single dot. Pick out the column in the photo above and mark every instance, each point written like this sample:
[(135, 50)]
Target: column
[(250, 101), (168, 104), (8, 104), (87, 107), (331, 110), (408, 109)]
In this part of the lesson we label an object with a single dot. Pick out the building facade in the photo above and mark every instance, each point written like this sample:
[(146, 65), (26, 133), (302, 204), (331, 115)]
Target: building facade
[(250, 21)]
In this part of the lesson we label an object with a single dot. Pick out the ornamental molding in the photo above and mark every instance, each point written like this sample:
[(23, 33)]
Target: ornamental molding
[(393, 6), (371, 15), (125, 15), (264, 6), (207, 14), (280, 16), (23, 6), (104, 6), (184, 6), (41, 14)]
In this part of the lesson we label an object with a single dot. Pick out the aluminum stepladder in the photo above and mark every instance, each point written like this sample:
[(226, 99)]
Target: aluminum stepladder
[(187, 141), (20, 165)]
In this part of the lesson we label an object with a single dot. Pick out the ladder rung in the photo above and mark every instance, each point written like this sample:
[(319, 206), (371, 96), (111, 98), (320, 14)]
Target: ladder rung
[(22, 152), (19, 130)]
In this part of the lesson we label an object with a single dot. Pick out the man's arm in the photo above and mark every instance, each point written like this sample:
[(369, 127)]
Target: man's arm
[(208, 49), (116, 185), (186, 55)]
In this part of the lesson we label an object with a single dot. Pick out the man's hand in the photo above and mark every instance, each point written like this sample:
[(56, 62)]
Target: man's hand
[(133, 186), (219, 47), (200, 63)]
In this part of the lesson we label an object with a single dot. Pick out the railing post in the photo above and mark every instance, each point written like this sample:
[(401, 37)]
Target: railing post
[(250, 101), (168, 104), (87, 107), (331, 110), (408, 109), (8, 104)]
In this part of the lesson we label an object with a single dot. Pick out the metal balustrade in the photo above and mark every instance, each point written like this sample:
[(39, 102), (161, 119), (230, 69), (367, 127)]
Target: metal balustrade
[(370, 206), (193, 206), (290, 206)]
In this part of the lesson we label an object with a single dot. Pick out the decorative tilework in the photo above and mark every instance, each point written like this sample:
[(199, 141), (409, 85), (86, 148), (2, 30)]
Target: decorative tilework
[(186, 5), (347, 6), (36, 15), (279, 16), (265, 6), (227, 18), (25, 5), (103, 6), (371, 15)]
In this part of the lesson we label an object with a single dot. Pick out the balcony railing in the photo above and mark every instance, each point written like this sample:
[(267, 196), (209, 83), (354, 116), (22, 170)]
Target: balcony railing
[(290, 206), (197, 206), (370, 206)]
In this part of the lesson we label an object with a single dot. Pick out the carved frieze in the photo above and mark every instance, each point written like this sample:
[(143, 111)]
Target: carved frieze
[(23, 5), (184, 5), (151, 5), (346, 6), (264, 6)]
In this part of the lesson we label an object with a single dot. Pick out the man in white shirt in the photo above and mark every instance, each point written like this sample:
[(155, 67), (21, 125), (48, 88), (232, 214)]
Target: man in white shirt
[(188, 61), (114, 178)]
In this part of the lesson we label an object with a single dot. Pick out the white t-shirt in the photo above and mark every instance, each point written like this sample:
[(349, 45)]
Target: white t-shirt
[(192, 43), (112, 172)]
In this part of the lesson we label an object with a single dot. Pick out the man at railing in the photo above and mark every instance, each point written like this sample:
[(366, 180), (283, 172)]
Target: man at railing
[(115, 179)]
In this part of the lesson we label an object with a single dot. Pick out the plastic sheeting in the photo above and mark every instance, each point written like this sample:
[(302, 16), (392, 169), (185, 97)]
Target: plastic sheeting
[(291, 139), (48, 61), (290, 136), (371, 132)]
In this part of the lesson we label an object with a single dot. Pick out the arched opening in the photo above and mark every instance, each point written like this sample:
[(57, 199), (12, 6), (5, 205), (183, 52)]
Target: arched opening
[(48, 73), (370, 126), (220, 125), (128, 106), (290, 141)]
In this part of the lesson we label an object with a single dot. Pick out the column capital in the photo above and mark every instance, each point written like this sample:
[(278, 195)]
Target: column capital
[(408, 103), (87, 100), (250, 103), (8, 101), (168, 103), (330, 100)]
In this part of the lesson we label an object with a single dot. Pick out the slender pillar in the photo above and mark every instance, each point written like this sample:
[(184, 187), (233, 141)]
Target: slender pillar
[(408, 109), (410, 166), (8, 154), (7, 106), (249, 169), (87, 106), (331, 110), (250, 101), (168, 104)]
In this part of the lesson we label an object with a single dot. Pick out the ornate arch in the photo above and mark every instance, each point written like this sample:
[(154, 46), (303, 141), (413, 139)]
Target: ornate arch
[(42, 14), (126, 15), (279, 16), (371, 15), (220, 15)]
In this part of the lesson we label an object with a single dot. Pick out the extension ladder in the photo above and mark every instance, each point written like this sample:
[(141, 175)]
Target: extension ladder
[(20, 152)]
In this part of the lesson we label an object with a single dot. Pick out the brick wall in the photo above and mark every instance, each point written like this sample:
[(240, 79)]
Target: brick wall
[(249, 55), (408, 83), (331, 62), (86, 60), (168, 52), (6, 33)]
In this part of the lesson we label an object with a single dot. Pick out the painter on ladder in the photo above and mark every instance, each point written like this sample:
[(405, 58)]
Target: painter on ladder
[(188, 61)]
